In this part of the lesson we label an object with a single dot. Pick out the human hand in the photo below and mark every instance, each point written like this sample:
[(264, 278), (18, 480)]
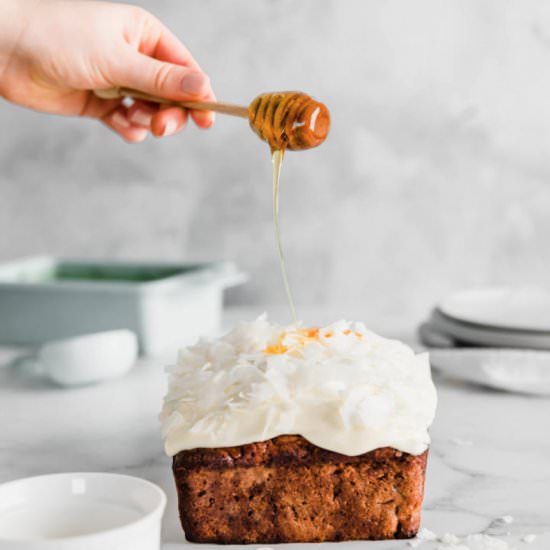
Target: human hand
[(54, 52)]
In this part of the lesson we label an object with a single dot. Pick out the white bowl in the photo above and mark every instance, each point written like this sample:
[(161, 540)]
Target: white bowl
[(81, 511), (89, 358)]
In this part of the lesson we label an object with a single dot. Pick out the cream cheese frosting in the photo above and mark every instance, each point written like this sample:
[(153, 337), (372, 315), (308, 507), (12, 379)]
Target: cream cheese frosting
[(342, 387)]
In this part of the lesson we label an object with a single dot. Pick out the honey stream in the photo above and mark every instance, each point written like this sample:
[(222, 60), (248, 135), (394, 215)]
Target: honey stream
[(277, 160), (287, 121)]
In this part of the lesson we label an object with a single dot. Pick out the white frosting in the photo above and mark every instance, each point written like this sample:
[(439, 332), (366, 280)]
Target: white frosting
[(343, 388)]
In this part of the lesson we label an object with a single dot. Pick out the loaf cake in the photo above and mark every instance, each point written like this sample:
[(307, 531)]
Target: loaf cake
[(291, 434)]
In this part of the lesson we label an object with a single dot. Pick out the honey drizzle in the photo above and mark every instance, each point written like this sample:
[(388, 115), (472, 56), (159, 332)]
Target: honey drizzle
[(277, 160), (287, 120)]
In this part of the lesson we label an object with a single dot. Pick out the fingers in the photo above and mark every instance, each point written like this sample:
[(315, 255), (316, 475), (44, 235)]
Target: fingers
[(95, 107), (141, 114), (134, 123), (162, 122), (155, 40), (169, 121), (169, 48), (163, 79), (115, 115), (205, 119), (157, 63), (118, 121), (171, 74)]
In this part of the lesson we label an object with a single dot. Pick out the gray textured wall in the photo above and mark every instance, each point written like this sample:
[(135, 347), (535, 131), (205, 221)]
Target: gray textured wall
[(435, 176)]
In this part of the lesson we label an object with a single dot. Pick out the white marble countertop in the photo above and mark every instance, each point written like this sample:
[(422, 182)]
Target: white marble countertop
[(490, 455)]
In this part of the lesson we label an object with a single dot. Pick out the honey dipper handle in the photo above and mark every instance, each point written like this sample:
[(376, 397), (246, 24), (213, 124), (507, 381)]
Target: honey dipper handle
[(225, 108)]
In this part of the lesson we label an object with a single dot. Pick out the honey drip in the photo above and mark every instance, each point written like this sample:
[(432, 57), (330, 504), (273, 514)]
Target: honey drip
[(277, 160)]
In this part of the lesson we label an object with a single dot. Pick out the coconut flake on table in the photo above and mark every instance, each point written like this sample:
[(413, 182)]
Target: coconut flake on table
[(479, 541), (506, 519), (426, 535), (449, 541), (449, 538)]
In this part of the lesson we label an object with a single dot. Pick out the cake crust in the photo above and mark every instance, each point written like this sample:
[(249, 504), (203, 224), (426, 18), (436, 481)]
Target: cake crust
[(288, 490)]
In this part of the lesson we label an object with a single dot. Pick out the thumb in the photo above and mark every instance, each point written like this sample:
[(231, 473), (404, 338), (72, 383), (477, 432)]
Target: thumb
[(163, 79)]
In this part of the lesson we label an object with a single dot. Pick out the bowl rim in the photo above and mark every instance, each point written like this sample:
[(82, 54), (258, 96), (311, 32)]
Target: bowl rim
[(158, 509), (86, 337)]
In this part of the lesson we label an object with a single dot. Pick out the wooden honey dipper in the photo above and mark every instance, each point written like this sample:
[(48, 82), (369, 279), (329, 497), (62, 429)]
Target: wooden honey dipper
[(289, 120), (286, 120)]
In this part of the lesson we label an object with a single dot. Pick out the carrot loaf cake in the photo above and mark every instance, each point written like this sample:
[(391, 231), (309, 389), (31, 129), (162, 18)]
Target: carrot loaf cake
[(290, 434)]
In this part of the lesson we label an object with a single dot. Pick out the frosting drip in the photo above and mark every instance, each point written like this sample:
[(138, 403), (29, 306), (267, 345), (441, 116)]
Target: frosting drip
[(342, 387)]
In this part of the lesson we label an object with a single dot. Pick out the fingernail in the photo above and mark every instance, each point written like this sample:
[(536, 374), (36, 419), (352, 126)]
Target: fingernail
[(141, 137), (170, 128), (118, 119), (141, 118), (194, 83)]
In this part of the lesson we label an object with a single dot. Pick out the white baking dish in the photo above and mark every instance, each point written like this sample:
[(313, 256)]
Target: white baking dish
[(167, 305)]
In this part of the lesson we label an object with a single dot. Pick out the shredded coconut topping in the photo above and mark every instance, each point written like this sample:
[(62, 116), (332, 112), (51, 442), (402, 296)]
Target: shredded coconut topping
[(342, 387)]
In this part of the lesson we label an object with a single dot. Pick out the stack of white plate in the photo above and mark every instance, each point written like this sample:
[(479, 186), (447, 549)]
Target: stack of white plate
[(501, 317), (497, 337)]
